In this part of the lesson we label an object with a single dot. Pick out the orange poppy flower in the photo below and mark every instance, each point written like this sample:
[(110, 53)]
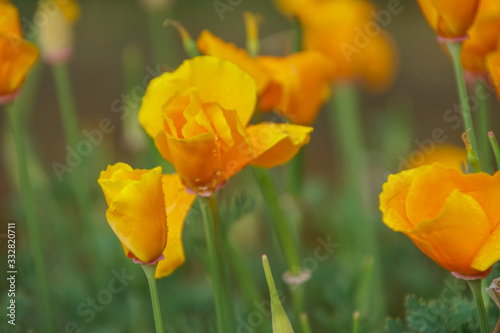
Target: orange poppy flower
[(16, 55), (450, 18), (295, 86), (483, 36), (141, 204), (448, 155), (450, 216), (198, 117), (346, 31)]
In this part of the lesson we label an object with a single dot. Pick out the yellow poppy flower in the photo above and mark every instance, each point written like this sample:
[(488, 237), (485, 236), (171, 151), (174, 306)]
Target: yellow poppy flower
[(198, 116), (346, 31), (450, 216), (300, 84), (449, 18), (16, 55), (448, 155), (483, 36), (136, 209)]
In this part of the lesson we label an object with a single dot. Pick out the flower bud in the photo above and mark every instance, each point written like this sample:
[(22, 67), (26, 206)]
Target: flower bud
[(56, 36)]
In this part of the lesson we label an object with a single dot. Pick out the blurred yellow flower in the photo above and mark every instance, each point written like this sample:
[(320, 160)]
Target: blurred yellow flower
[(346, 31), (448, 155), (493, 65), (483, 36), (136, 209), (16, 55), (295, 86), (56, 36), (450, 18), (450, 216), (198, 117)]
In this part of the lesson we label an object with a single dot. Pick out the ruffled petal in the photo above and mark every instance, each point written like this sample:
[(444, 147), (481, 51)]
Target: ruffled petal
[(276, 144)]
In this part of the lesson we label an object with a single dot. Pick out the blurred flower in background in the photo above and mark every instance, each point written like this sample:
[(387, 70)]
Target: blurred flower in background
[(56, 35), (346, 31), (17, 56), (448, 18)]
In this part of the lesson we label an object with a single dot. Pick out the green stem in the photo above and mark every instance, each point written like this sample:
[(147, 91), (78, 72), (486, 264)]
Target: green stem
[(304, 323), (484, 123), (475, 286), (496, 149), (295, 172), (455, 49), (31, 219), (150, 270), (355, 319), (161, 39), (242, 272), (279, 219), (67, 104), (220, 279)]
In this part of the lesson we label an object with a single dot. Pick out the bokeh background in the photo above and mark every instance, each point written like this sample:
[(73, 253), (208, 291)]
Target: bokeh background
[(395, 122)]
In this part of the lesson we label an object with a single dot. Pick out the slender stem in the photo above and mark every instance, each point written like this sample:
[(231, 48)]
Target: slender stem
[(242, 272), (484, 123), (496, 149), (31, 218), (67, 104), (455, 49), (347, 130), (161, 39), (295, 172), (150, 270), (220, 280), (475, 286), (304, 323), (279, 219), (355, 319)]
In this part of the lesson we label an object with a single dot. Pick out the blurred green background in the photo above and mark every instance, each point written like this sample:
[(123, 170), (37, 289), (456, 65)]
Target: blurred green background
[(394, 123)]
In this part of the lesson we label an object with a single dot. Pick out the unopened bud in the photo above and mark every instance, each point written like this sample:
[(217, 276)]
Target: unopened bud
[(56, 36), (281, 323), (188, 43), (252, 22), (472, 157)]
